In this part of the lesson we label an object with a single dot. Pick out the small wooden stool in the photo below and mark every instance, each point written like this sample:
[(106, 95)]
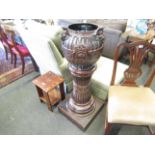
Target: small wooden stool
[(50, 88)]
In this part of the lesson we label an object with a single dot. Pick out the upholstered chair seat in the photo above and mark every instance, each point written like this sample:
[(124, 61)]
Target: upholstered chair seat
[(24, 51), (127, 105)]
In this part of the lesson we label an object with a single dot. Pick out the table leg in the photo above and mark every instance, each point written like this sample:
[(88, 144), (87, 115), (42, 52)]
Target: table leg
[(48, 101), (40, 93), (62, 91)]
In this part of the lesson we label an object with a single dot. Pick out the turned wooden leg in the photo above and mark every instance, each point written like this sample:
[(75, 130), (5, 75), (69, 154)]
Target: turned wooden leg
[(6, 53), (15, 60), (62, 91), (23, 64), (11, 58)]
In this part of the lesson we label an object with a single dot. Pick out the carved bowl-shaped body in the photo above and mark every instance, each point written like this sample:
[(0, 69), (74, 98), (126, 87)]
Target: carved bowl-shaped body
[(82, 44)]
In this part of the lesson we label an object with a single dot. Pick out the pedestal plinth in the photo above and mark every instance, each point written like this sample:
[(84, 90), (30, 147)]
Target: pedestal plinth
[(81, 120)]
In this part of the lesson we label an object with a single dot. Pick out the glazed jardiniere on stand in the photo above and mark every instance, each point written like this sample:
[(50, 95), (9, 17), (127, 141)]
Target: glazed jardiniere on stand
[(82, 45)]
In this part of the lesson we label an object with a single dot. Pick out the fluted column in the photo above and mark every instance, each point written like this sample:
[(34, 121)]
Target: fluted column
[(81, 100)]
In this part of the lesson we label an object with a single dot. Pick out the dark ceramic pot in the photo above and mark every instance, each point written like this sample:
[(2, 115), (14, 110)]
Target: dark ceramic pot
[(82, 44)]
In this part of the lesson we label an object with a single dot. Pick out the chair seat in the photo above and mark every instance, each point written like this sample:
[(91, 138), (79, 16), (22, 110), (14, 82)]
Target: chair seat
[(23, 50), (131, 105)]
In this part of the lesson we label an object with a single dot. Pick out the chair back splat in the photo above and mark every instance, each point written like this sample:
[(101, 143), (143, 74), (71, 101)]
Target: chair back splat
[(137, 52)]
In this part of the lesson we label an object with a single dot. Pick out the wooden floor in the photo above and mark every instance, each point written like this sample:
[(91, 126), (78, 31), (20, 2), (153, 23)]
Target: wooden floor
[(8, 73)]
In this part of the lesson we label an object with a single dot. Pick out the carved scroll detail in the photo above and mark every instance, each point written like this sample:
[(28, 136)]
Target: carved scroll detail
[(137, 55)]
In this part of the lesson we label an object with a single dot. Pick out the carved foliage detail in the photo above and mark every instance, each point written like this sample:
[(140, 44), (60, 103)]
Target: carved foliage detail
[(80, 52)]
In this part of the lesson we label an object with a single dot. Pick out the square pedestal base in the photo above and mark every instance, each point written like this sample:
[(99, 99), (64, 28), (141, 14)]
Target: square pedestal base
[(82, 121)]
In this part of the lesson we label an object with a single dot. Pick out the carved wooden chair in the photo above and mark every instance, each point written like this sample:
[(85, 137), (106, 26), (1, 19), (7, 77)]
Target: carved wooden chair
[(129, 103)]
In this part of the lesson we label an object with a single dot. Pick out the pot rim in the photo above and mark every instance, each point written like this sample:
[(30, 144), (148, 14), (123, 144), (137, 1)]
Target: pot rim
[(77, 27)]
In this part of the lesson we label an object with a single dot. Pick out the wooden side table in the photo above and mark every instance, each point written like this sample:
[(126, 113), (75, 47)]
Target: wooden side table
[(50, 88)]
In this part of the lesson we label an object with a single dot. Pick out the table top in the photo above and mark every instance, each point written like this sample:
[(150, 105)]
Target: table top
[(48, 81), (134, 39)]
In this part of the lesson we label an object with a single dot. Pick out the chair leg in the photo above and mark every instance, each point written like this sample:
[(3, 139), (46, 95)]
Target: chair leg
[(6, 53), (107, 128), (11, 58), (111, 129), (15, 60), (151, 131), (23, 64)]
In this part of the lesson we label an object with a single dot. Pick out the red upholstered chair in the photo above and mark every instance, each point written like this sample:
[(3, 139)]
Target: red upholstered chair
[(16, 49), (19, 50), (6, 43), (129, 103)]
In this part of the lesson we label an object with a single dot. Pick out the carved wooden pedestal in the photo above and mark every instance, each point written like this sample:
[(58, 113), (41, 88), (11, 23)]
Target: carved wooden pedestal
[(82, 45)]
